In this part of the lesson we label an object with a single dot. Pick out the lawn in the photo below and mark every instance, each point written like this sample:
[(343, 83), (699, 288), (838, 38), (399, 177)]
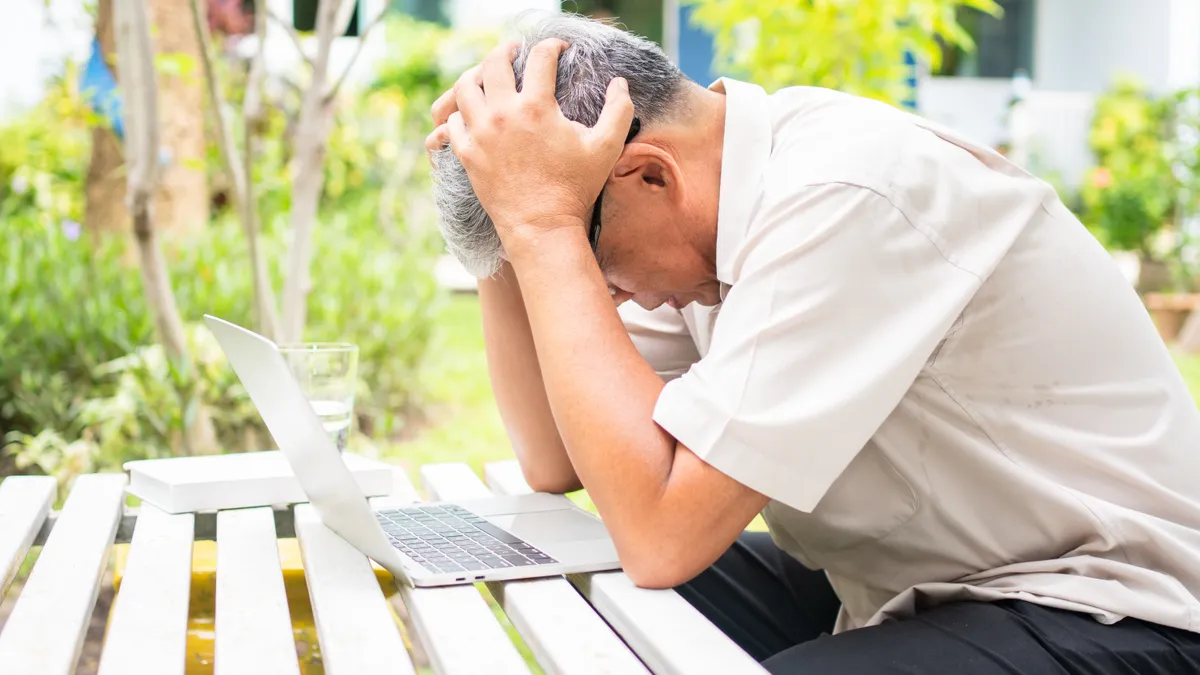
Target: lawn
[(463, 424)]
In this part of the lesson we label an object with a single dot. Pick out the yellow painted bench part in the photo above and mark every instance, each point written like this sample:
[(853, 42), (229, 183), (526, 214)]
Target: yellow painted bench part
[(201, 606)]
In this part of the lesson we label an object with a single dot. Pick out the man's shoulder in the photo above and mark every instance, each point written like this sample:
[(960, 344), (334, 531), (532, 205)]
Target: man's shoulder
[(826, 136)]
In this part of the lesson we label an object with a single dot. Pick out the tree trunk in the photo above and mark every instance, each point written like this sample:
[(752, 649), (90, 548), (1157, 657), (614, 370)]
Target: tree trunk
[(240, 166), (308, 182), (254, 119), (181, 200), (308, 173), (104, 191), (138, 86)]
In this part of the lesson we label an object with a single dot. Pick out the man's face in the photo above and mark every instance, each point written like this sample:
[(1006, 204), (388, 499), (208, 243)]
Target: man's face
[(658, 231)]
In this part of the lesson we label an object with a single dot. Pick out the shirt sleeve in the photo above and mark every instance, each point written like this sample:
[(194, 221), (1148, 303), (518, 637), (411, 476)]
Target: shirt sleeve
[(838, 301), (661, 337)]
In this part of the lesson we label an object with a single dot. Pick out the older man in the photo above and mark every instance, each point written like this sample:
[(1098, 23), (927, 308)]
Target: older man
[(900, 349)]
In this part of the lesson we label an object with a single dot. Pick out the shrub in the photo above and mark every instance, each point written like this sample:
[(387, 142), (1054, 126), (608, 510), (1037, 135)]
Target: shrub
[(1130, 196), (83, 384)]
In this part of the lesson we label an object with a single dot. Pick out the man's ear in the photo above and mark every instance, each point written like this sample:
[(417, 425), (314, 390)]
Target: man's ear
[(648, 167)]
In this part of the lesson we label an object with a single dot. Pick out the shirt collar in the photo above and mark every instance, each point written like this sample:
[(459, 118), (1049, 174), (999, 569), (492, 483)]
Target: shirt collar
[(744, 155)]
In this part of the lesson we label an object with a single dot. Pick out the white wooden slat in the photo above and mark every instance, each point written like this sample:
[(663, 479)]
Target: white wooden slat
[(455, 625), (506, 478), (253, 627), (147, 632), (25, 502), (354, 622), (563, 631), (45, 631), (664, 629)]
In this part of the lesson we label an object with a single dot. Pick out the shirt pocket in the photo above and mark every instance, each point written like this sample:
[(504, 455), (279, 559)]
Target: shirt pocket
[(869, 501)]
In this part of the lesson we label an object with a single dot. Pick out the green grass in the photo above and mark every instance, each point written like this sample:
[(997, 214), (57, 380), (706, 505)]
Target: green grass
[(462, 423)]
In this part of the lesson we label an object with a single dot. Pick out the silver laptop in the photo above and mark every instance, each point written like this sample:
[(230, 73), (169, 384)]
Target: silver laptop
[(435, 544)]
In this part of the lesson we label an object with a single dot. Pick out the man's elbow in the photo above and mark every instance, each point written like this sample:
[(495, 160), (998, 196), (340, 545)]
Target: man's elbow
[(540, 480), (660, 567)]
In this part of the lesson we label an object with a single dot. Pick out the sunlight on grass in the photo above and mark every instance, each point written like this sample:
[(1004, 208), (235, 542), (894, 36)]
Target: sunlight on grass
[(463, 424)]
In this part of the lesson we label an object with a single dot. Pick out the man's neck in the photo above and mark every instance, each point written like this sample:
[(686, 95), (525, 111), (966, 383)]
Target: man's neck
[(698, 138)]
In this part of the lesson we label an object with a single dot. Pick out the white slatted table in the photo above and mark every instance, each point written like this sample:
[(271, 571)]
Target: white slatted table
[(590, 624)]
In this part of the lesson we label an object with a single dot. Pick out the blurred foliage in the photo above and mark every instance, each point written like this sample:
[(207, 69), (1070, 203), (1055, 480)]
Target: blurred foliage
[(44, 155), (83, 383), (856, 46), (1130, 195)]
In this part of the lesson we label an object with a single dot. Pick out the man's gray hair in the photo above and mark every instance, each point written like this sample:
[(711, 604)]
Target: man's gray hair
[(598, 52)]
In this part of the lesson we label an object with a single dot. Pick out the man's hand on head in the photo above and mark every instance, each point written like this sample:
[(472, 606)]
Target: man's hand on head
[(533, 170)]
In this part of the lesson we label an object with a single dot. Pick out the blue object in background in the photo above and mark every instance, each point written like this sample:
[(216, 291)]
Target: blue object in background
[(99, 88), (695, 50), (910, 81)]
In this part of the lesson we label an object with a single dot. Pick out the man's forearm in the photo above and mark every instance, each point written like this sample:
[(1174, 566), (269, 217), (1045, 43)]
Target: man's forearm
[(601, 391), (517, 383)]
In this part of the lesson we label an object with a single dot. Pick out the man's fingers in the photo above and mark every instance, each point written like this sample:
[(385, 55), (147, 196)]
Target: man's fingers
[(498, 79), (438, 139), (442, 107), (460, 138), (445, 104), (541, 69), (469, 99), (615, 118)]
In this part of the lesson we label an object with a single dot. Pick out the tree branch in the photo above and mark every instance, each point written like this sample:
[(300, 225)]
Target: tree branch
[(291, 31), (253, 119), (362, 43), (239, 166), (137, 79), (229, 154)]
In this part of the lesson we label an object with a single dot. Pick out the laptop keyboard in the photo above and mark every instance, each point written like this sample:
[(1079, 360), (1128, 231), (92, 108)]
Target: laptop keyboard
[(449, 538)]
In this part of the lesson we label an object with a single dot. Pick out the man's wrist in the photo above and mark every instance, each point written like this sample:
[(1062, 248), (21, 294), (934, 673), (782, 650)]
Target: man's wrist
[(530, 243)]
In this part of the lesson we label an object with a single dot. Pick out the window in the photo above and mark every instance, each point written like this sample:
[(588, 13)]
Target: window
[(1003, 45), (425, 10), (304, 17)]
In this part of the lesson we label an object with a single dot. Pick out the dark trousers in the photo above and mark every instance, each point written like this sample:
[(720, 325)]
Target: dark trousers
[(782, 614)]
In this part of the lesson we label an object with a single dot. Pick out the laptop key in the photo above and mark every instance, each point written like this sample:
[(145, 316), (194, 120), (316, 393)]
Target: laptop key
[(449, 567), (517, 560), (474, 565)]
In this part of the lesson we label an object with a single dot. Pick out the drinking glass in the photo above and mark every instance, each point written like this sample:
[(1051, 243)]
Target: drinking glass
[(327, 373)]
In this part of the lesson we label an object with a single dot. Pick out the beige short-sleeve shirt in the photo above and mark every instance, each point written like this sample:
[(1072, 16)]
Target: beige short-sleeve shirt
[(938, 376)]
